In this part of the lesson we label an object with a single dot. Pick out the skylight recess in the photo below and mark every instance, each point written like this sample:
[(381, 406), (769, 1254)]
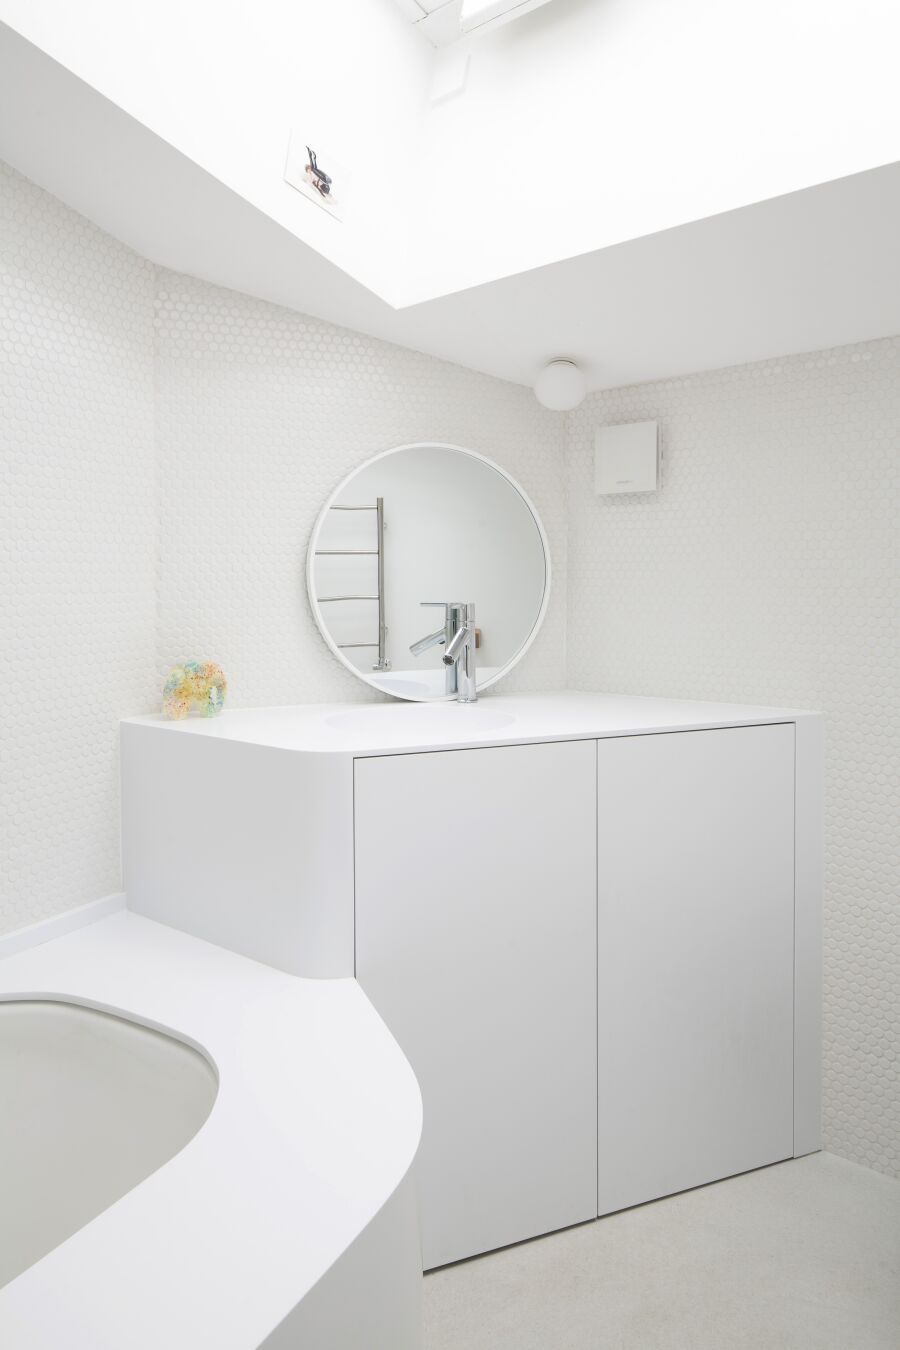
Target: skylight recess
[(476, 13), (444, 22)]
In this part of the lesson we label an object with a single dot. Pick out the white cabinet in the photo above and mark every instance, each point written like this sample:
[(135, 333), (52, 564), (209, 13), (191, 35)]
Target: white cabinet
[(476, 891), (476, 941), (696, 958)]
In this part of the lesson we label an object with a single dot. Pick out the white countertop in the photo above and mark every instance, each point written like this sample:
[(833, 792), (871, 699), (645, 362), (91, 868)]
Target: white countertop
[(504, 719), (316, 1122)]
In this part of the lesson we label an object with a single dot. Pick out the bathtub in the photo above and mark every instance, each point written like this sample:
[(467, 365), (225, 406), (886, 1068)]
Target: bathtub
[(196, 1149), (94, 1104)]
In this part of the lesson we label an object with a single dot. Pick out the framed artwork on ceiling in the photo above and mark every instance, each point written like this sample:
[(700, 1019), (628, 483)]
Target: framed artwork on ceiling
[(315, 173)]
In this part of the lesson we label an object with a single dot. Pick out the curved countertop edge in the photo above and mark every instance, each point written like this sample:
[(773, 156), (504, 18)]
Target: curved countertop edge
[(316, 1125), (398, 727)]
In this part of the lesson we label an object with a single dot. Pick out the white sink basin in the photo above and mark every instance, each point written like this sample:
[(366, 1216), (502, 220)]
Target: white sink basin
[(407, 688), (422, 684), (420, 720)]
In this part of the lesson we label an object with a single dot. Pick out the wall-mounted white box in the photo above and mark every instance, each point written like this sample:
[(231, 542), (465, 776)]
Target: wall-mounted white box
[(626, 458)]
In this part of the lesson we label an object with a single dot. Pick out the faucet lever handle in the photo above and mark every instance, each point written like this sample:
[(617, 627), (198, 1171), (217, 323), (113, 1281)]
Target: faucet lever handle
[(445, 605)]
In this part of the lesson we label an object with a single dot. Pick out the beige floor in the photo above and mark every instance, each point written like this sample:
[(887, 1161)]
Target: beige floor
[(801, 1256)]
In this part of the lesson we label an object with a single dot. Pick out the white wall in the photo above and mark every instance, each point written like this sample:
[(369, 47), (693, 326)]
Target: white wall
[(119, 558), (261, 412), (767, 569), (77, 537)]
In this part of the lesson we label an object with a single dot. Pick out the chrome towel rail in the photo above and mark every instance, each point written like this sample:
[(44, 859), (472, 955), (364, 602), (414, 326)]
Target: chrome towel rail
[(382, 662)]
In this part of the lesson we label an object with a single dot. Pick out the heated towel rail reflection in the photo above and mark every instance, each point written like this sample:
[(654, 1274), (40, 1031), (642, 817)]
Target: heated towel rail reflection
[(382, 662)]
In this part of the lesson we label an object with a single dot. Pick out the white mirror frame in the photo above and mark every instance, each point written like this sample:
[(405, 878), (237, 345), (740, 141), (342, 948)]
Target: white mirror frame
[(323, 515)]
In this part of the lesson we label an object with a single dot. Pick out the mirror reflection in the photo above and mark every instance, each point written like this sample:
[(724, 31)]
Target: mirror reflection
[(428, 572)]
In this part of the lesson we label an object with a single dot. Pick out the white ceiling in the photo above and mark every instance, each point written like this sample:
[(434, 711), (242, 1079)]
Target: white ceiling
[(812, 269)]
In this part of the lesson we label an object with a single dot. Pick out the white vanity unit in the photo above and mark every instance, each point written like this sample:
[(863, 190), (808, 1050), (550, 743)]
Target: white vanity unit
[(591, 923)]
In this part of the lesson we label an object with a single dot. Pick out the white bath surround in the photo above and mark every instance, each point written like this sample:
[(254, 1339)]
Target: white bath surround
[(297, 1182), (95, 1104)]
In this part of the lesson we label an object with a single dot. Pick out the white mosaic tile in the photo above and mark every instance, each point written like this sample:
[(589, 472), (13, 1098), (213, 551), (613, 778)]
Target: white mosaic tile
[(767, 570), (261, 412), (76, 545), (117, 561)]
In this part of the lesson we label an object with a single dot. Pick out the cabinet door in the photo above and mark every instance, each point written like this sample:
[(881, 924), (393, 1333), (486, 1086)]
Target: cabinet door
[(476, 942), (696, 958)]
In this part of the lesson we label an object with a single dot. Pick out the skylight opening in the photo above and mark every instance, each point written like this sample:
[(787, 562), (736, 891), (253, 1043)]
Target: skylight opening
[(476, 13)]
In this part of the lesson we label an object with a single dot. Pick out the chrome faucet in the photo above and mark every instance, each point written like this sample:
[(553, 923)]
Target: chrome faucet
[(460, 656), (458, 634)]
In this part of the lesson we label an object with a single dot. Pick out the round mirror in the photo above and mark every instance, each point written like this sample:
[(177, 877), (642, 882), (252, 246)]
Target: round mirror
[(429, 572)]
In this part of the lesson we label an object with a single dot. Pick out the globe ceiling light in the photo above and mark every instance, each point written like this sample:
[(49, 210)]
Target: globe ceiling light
[(561, 386)]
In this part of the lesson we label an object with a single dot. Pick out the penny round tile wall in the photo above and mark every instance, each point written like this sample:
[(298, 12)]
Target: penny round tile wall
[(77, 540), (767, 570), (128, 546), (260, 414), (165, 447)]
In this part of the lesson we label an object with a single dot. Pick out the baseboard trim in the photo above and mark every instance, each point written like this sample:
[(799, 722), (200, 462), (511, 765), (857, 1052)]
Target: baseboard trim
[(59, 924)]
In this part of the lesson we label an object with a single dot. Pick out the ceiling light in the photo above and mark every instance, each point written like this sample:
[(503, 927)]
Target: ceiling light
[(561, 386)]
